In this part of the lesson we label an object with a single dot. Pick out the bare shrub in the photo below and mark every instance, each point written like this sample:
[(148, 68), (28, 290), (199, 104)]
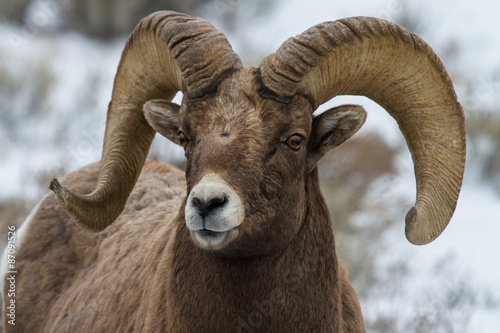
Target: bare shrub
[(25, 94), (483, 129), (110, 18), (445, 303), (346, 173), (13, 11)]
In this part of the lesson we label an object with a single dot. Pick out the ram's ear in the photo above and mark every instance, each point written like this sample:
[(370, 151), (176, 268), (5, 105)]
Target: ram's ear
[(163, 116), (332, 128)]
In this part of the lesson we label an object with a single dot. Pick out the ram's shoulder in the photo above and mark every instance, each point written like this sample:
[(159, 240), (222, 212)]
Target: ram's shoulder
[(163, 178), (159, 191)]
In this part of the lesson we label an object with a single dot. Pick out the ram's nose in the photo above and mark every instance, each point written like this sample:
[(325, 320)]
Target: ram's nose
[(214, 212), (207, 205)]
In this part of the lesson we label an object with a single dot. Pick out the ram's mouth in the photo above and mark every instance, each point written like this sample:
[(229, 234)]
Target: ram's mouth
[(214, 240), (209, 233)]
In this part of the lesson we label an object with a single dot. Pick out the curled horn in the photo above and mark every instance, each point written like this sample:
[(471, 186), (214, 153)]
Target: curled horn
[(398, 70), (166, 52)]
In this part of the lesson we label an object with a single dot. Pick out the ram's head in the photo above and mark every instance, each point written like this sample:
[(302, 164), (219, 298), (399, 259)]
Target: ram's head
[(250, 137)]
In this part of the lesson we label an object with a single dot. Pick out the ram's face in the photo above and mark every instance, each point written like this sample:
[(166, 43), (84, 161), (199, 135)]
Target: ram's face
[(247, 161)]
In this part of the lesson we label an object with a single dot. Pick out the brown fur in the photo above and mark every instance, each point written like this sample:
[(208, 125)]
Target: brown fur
[(144, 273)]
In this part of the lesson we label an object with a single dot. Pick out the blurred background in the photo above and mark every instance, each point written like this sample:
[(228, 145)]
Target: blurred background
[(57, 63)]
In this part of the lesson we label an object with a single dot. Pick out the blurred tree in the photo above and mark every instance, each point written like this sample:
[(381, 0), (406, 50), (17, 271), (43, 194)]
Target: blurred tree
[(483, 131), (231, 13), (13, 11), (109, 18), (407, 17), (346, 174)]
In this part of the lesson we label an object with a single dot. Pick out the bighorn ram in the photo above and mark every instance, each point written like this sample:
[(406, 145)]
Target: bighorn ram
[(250, 245)]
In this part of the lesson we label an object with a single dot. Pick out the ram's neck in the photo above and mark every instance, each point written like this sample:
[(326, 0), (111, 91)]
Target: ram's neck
[(297, 289)]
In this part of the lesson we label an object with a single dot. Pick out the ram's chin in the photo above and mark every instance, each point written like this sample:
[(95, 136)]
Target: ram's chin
[(213, 240)]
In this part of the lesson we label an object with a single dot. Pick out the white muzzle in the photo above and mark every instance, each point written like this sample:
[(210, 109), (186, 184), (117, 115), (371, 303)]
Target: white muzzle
[(214, 213)]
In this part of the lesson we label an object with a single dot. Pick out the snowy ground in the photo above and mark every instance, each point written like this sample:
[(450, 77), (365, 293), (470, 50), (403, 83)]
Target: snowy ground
[(470, 241)]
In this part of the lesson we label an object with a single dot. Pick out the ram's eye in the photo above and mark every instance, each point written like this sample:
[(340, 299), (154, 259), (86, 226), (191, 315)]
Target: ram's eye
[(183, 140), (295, 141)]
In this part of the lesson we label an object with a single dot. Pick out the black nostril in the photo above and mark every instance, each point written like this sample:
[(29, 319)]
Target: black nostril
[(205, 207)]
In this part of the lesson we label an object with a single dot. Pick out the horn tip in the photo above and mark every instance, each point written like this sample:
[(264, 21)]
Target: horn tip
[(414, 228), (61, 193)]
